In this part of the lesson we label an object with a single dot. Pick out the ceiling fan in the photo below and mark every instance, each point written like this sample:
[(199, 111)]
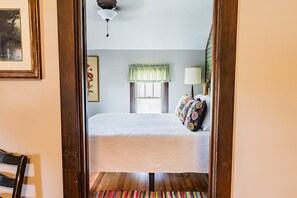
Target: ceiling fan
[(107, 11)]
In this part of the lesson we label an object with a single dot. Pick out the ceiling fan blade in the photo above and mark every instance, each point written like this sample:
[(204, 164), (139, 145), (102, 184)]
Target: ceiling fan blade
[(118, 8), (107, 4)]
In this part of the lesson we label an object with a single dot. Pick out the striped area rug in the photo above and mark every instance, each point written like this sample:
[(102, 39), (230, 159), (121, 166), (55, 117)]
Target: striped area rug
[(147, 194)]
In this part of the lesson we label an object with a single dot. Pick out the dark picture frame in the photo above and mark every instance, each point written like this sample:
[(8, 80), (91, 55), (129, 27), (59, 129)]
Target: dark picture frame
[(20, 46)]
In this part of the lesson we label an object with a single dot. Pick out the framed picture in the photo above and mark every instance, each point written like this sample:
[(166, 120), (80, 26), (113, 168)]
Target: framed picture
[(20, 54), (93, 78)]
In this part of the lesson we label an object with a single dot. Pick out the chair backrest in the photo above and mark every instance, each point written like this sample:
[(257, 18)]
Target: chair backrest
[(13, 182)]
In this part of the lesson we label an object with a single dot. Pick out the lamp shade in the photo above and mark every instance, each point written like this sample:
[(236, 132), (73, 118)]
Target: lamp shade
[(192, 76), (107, 14)]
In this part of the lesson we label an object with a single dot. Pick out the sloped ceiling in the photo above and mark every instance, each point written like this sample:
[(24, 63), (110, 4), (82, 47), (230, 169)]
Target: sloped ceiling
[(151, 24)]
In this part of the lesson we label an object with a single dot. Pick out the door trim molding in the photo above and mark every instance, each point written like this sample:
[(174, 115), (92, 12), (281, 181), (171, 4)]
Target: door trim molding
[(71, 23), (223, 86), (72, 58)]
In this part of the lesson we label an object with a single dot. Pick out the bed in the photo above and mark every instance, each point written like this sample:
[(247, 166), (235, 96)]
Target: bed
[(145, 143)]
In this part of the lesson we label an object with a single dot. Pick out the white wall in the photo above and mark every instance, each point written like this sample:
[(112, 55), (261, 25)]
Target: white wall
[(265, 159), (113, 72), (30, 115)]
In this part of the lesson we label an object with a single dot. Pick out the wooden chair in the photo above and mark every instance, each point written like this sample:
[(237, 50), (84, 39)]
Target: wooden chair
[(15, 183)]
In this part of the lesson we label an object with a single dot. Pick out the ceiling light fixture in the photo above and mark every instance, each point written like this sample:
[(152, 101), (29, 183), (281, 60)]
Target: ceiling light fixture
[(107, 11), (107, 15)]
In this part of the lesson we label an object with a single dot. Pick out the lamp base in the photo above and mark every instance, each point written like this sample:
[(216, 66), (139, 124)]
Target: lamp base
[(205, 89), (192, 91)]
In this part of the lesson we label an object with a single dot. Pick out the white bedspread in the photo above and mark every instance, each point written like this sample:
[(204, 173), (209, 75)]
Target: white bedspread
[(145, 143)]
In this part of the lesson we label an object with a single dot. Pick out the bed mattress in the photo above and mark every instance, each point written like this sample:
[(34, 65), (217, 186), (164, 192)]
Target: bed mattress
[(145, 143)]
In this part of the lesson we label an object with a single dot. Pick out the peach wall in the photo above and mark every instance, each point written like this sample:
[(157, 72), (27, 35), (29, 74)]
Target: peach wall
[(30, 115), (265, 159), (265, 141)]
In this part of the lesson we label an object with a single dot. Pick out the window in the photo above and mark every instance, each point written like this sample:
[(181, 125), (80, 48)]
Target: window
[(149, 97), (149, 88)]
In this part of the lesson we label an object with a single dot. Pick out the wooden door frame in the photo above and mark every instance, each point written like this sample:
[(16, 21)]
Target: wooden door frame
[(72, 51)]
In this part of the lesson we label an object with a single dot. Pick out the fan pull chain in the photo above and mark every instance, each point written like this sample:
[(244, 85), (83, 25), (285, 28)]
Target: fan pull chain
[(107, 20)]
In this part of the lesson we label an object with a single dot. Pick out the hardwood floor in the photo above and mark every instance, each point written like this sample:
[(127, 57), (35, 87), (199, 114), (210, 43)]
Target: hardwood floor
[(140, 181)]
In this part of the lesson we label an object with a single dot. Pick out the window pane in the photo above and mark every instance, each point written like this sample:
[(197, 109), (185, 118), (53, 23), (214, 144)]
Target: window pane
[(140, 90), (157, 90), (149, 90)]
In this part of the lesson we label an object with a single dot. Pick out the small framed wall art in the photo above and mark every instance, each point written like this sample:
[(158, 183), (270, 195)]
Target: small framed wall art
[(20, 53), (93, 78)]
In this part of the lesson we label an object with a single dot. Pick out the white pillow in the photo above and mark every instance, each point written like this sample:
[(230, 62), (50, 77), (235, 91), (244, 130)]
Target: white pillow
[(198, 96)]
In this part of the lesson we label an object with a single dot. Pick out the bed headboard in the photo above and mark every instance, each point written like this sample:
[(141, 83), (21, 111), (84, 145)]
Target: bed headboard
[(208, 62), (208, 58)]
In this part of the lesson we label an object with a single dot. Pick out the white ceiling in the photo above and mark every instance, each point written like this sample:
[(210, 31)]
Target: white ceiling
[(152, 24)]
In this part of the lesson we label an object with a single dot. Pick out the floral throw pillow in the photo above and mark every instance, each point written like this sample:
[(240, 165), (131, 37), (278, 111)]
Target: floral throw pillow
[(185, 110), (180, 105), (196, 115), (187, 120)]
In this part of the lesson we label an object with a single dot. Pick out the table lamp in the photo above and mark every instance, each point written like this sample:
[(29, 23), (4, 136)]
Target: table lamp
[(192, 77)]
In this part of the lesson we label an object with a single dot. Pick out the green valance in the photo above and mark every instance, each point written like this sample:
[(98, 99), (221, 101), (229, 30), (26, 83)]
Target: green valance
[(149, 73)]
